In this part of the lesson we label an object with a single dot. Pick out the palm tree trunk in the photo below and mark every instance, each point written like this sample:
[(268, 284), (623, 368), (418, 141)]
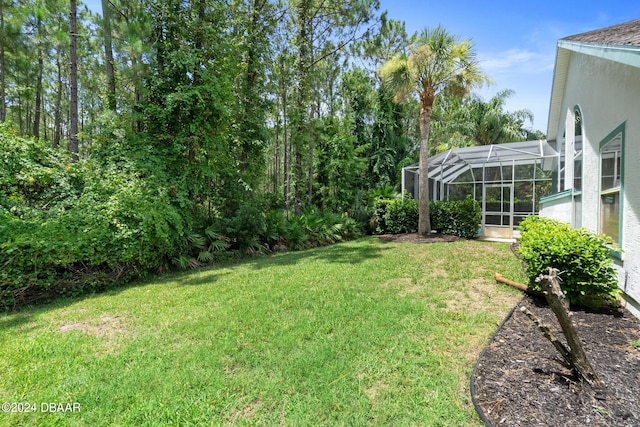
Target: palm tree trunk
[(427, 98)]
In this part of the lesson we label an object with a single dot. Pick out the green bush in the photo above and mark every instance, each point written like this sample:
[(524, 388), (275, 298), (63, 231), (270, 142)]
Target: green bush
[(459, 218), (584, 259), (87, 226), (395, 215)]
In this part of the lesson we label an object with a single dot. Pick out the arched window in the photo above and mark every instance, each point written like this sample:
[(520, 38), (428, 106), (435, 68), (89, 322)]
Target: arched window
[(577, 158)]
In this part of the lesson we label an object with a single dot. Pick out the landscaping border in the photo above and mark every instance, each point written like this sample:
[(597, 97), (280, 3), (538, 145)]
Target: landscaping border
[(472, 387)]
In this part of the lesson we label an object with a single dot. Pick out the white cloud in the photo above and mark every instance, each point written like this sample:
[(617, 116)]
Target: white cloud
[(517, 60)]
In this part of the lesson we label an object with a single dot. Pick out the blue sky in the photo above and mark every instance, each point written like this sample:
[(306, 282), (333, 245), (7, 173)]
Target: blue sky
[(515, 40)]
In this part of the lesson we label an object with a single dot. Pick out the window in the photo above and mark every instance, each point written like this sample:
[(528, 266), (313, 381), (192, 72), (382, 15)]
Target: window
[(611, 184)]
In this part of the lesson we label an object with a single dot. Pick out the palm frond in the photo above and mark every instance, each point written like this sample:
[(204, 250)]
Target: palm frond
[(396, 76)]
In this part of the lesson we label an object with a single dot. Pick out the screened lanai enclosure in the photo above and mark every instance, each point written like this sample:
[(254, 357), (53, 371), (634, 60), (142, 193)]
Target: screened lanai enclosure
[(508, 181)]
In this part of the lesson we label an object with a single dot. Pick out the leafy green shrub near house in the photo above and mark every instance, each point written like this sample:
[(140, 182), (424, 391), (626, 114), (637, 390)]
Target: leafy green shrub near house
[(584, 259), (399, 215), (458, 217)]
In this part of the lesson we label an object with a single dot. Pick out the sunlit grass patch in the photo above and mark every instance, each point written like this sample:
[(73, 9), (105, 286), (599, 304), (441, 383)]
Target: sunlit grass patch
[(364, 332)]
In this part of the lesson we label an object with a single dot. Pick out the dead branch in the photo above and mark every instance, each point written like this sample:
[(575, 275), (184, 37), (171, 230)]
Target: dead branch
[(555, 299), (500, 278), (548, 334)]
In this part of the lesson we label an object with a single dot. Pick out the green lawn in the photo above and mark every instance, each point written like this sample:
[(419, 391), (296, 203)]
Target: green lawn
[(360, 333)]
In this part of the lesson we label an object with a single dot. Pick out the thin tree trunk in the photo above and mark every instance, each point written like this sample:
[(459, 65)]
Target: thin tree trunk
[(276, 158), (44, 122), (310, 182), (427, 98), (57, 126), (108, 55), (3, 105), (285, 142), (73, 81), (303, 41), (137, 92), (38, 103), (297, 208)]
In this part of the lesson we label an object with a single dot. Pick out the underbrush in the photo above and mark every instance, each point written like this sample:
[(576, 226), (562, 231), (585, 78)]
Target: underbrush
[(75, 228)]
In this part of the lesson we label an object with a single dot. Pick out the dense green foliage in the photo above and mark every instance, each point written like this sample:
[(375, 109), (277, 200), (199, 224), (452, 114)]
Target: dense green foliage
[(457, 217), (583, 258), (207, 130), (397, 215), (471, 121), (400, 215), (75, 228), (69, 229)]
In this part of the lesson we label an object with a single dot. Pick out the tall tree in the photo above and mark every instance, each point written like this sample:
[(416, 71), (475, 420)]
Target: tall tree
[(494, 125), (73, 80), (253, 24), (60, 30), (108, 55), (316, 25), (40, 52), (3, 91), (437, 62)]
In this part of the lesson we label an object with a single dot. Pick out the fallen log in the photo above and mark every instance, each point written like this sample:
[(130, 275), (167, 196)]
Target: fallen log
[(500, 278)]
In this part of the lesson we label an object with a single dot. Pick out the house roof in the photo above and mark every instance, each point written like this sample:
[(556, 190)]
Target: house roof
[(627, 33), (618, 43)]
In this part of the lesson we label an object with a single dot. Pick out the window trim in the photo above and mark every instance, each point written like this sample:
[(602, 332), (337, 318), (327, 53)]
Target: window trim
[(578, 157), (620, 130)]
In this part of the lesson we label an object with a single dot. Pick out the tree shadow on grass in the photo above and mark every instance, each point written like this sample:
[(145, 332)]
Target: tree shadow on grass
[(195, 277), (353, 252), (15, 320)]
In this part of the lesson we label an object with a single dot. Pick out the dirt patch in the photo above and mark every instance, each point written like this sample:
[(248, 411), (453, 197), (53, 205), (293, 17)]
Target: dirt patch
[(418, 238), (246, 412), (518, 381), (374, 392), (477, 296), (105, 325)]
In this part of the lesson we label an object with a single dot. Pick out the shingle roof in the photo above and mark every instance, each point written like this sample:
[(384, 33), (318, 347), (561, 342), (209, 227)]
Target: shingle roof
[(627, 33)]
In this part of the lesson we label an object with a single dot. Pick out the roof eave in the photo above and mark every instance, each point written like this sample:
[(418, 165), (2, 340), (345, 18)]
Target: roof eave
[(625, 54), (628, 54), (560, 71)]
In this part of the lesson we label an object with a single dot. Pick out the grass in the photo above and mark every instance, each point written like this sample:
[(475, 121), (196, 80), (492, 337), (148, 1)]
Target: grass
[(361, 333)]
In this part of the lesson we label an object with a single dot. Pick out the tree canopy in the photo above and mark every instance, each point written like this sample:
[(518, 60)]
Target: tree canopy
[(164, 134)]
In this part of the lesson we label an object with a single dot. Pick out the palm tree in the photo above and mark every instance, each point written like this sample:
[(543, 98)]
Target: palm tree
[(495, 126), (437, 62)]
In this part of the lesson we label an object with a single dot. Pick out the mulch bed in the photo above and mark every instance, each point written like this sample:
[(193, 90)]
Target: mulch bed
[(518, 381), (417, 238)]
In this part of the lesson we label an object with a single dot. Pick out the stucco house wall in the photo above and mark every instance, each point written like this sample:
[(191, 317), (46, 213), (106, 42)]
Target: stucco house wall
[(559, 206), (603, 85)]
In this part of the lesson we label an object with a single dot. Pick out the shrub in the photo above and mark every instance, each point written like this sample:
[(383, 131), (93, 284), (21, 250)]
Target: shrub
[(584, 259), (247, 223), (119, 227), (459, 218), (395, 215)]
